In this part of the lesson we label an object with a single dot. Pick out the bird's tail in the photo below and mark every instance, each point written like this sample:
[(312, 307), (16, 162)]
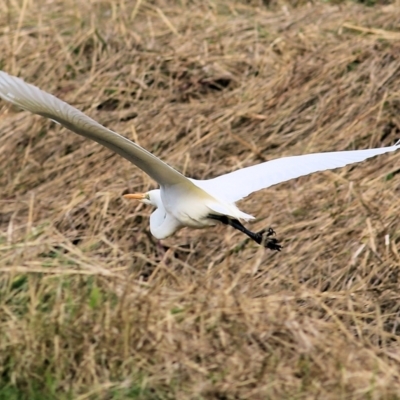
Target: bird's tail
[(230, 210)]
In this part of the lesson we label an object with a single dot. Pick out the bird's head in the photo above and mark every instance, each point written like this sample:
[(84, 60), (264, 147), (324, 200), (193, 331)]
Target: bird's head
[(152, 197)]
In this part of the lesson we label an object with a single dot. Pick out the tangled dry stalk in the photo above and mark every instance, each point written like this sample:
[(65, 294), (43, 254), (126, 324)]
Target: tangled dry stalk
[(91, 307)]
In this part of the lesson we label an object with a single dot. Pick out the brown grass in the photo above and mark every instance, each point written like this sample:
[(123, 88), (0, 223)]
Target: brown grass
[(91, 307)]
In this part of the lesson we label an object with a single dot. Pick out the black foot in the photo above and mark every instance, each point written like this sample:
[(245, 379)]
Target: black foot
[(264, 238)]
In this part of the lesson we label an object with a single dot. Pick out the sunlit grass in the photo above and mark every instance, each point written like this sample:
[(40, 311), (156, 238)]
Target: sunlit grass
[(93, 307)]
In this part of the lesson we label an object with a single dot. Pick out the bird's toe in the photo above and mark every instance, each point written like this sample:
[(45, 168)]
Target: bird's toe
[(267, 232), (268, 242), (273, 244)]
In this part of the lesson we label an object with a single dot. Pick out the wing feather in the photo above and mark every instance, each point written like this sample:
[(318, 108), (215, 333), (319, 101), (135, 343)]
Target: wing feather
[(238, 184), (32, 99)]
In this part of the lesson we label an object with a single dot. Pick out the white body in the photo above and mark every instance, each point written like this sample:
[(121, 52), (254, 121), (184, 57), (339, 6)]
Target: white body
[(178, 207), (180, 201)]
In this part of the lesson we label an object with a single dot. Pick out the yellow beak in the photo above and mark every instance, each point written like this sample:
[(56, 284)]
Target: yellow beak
[(135, 196)]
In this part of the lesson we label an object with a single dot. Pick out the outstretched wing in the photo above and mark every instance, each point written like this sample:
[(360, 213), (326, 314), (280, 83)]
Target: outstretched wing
[(238, 184), (32, 99)]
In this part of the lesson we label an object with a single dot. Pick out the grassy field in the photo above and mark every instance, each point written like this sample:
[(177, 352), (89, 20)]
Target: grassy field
[(92, 307)]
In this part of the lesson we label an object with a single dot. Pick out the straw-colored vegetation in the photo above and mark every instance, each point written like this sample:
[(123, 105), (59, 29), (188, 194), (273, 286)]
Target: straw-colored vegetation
[(92, 307)]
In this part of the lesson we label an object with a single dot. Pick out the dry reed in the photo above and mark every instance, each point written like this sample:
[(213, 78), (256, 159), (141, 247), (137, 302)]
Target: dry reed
[(91, 307)]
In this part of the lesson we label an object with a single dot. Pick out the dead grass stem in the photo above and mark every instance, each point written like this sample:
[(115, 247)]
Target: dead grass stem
[(91, 307)]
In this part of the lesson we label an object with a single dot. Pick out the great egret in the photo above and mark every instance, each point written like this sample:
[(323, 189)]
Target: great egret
[(182, 201)]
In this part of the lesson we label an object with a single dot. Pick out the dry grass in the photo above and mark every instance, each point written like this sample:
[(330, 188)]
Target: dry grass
[(91, 307)]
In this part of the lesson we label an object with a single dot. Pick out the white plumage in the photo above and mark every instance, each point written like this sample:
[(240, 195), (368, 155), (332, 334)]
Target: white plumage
[(182, 201)]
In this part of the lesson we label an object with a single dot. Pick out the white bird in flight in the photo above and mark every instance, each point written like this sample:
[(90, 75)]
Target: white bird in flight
[(182, 201)]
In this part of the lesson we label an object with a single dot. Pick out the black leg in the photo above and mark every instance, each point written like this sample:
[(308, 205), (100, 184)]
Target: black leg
[(263, 237)]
